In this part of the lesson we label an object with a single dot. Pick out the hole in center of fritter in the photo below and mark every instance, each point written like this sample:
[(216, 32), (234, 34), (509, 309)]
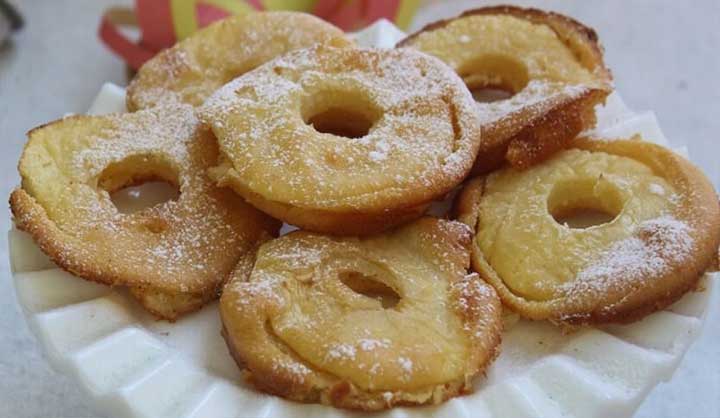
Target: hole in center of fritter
[(581, 218), (493, 78), (341, 122), (581, 204), (370, 287), (139, 182), (133, 199), (340, 113), (488, 94)]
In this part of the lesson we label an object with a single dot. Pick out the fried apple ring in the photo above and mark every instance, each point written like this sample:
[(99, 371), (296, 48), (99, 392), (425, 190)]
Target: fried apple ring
[(173, 256), (194, 68), (551, 64), (366, 323), (344, 141), (661, 232)]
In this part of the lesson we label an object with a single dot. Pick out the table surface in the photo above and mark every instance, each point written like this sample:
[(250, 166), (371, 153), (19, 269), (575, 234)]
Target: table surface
[(665, 56)]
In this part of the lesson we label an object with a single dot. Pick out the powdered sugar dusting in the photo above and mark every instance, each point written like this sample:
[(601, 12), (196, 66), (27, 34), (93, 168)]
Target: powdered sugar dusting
[(472, 299), (165, 133), (532, 101), (659, 245), (406, 364), (296, 369), (347, 351), (344, 351), (265, 288), (656, 189), (369, 344), (377, 156)]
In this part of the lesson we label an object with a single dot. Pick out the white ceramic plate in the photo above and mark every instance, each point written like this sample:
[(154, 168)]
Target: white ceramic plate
[(131, 365)]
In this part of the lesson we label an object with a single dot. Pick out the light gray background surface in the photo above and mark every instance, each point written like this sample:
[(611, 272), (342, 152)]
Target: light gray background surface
[(665, 56)]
